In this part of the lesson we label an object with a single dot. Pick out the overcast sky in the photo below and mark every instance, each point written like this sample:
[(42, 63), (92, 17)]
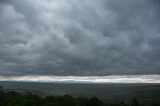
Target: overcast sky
[(79, 37)]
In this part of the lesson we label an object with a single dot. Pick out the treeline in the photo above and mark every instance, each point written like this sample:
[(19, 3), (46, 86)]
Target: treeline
[(13, 98)]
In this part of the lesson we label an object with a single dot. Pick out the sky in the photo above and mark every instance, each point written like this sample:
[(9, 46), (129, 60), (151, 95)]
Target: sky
[(125, 79), (79, 38)]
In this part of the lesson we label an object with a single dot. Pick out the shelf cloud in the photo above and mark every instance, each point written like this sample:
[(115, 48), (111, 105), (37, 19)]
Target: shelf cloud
[(79, 38)]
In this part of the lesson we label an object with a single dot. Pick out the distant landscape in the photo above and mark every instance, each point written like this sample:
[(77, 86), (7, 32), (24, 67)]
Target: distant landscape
[(146, 94)]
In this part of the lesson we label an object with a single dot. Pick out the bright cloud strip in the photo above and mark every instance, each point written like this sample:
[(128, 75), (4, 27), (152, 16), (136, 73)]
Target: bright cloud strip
[(85, 79)]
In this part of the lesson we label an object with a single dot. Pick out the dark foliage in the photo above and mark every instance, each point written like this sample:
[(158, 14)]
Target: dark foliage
[(13, 98)]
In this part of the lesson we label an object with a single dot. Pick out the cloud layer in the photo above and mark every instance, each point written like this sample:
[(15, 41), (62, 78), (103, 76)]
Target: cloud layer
[(79, 37), (85, 79)]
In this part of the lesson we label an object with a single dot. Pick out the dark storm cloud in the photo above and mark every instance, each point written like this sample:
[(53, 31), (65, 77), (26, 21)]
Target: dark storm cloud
[(89, 37)]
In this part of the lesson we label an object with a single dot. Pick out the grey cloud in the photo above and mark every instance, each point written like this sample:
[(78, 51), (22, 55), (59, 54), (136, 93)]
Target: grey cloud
[(98, 37)]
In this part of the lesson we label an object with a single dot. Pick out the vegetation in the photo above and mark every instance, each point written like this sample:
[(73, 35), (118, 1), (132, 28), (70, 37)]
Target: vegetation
[(14, 98)]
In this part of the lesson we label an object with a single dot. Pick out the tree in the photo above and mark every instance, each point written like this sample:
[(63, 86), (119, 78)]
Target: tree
[(94, 101), (135, 102), (1, 95)]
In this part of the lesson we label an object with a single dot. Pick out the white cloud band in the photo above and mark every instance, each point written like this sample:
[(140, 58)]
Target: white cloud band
[(85, 79)]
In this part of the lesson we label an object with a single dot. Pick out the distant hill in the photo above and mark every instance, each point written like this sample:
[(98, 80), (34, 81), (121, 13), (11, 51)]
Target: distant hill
[(107, 92), (51, 94)]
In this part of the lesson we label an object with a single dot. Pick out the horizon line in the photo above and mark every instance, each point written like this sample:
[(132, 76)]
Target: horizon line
[(84, 79)]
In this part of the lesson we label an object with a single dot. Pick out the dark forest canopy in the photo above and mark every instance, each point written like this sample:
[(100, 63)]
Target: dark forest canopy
[(15, 98)]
